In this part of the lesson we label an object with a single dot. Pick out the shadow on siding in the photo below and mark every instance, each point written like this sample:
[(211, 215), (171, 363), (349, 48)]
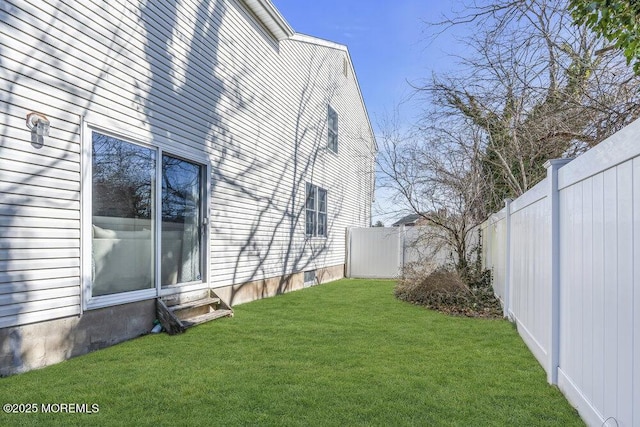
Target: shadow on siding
[(298, 253), (275, 222)]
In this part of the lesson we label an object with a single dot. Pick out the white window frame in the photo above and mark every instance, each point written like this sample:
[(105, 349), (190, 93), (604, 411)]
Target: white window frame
[(90, 302), (332, 133), (315, 211)]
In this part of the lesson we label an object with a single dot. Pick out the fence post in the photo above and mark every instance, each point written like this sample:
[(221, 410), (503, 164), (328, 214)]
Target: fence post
[(401, 247), (507, 261), (552, 167), (348, 252)]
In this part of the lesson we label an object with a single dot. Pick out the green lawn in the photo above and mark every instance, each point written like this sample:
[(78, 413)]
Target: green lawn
[(341, 354)]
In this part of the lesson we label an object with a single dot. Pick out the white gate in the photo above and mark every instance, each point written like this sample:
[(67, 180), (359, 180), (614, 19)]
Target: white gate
[(382, 253), (375, 252)]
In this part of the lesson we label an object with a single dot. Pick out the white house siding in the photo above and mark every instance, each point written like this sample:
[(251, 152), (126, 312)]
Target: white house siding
[(201, 79), (39, 193), (263, 235), (279, 138)]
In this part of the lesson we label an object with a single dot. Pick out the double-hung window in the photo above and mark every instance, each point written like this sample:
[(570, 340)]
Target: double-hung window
[(316, 211), (332, 125)]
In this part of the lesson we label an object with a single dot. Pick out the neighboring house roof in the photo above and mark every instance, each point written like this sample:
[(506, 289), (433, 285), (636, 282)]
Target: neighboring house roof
[(411, 219)]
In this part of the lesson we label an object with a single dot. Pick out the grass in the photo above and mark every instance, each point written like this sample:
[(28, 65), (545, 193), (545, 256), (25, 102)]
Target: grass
[(341, 354)]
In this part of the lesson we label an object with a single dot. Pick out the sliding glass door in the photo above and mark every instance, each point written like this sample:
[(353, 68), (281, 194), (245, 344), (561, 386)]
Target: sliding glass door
[(144, 213)]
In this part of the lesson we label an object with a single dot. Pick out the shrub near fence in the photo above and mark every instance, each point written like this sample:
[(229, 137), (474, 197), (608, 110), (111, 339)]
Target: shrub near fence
[(565, 258)]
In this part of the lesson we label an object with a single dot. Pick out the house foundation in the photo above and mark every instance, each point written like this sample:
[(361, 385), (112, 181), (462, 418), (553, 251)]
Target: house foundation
[(36, 345), (33, 346), (258, 289)]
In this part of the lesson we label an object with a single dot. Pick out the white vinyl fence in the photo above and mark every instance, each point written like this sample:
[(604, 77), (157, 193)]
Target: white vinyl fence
[(565, 258), (382, 252)]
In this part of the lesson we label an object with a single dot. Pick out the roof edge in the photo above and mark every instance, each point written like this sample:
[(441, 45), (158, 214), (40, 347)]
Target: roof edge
[(271, 18), (304, 38)]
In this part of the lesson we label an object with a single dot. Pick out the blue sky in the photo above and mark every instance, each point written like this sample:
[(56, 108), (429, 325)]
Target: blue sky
[(389, 45)]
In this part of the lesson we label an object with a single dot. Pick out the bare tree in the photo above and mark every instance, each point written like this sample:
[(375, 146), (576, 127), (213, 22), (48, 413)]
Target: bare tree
[(536, 86), (530, 87), (437, 176)]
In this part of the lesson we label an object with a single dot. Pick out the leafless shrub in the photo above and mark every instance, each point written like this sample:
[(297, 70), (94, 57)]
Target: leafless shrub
[(445, 291)]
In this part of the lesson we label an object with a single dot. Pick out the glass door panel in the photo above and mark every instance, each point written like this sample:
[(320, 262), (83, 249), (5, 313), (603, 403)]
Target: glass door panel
[(123, 188), (181, 229)]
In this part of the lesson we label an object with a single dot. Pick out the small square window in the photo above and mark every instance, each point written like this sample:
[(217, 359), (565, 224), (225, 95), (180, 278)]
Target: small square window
[(309, 278)]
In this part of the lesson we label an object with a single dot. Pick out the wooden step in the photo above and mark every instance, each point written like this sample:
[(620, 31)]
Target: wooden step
[(196, 320), (183, 298), (171, 324), (178, 312), (193, 304)]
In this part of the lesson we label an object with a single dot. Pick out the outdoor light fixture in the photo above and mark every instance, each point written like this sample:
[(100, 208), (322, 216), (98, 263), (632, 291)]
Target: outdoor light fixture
[(38, 124)]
